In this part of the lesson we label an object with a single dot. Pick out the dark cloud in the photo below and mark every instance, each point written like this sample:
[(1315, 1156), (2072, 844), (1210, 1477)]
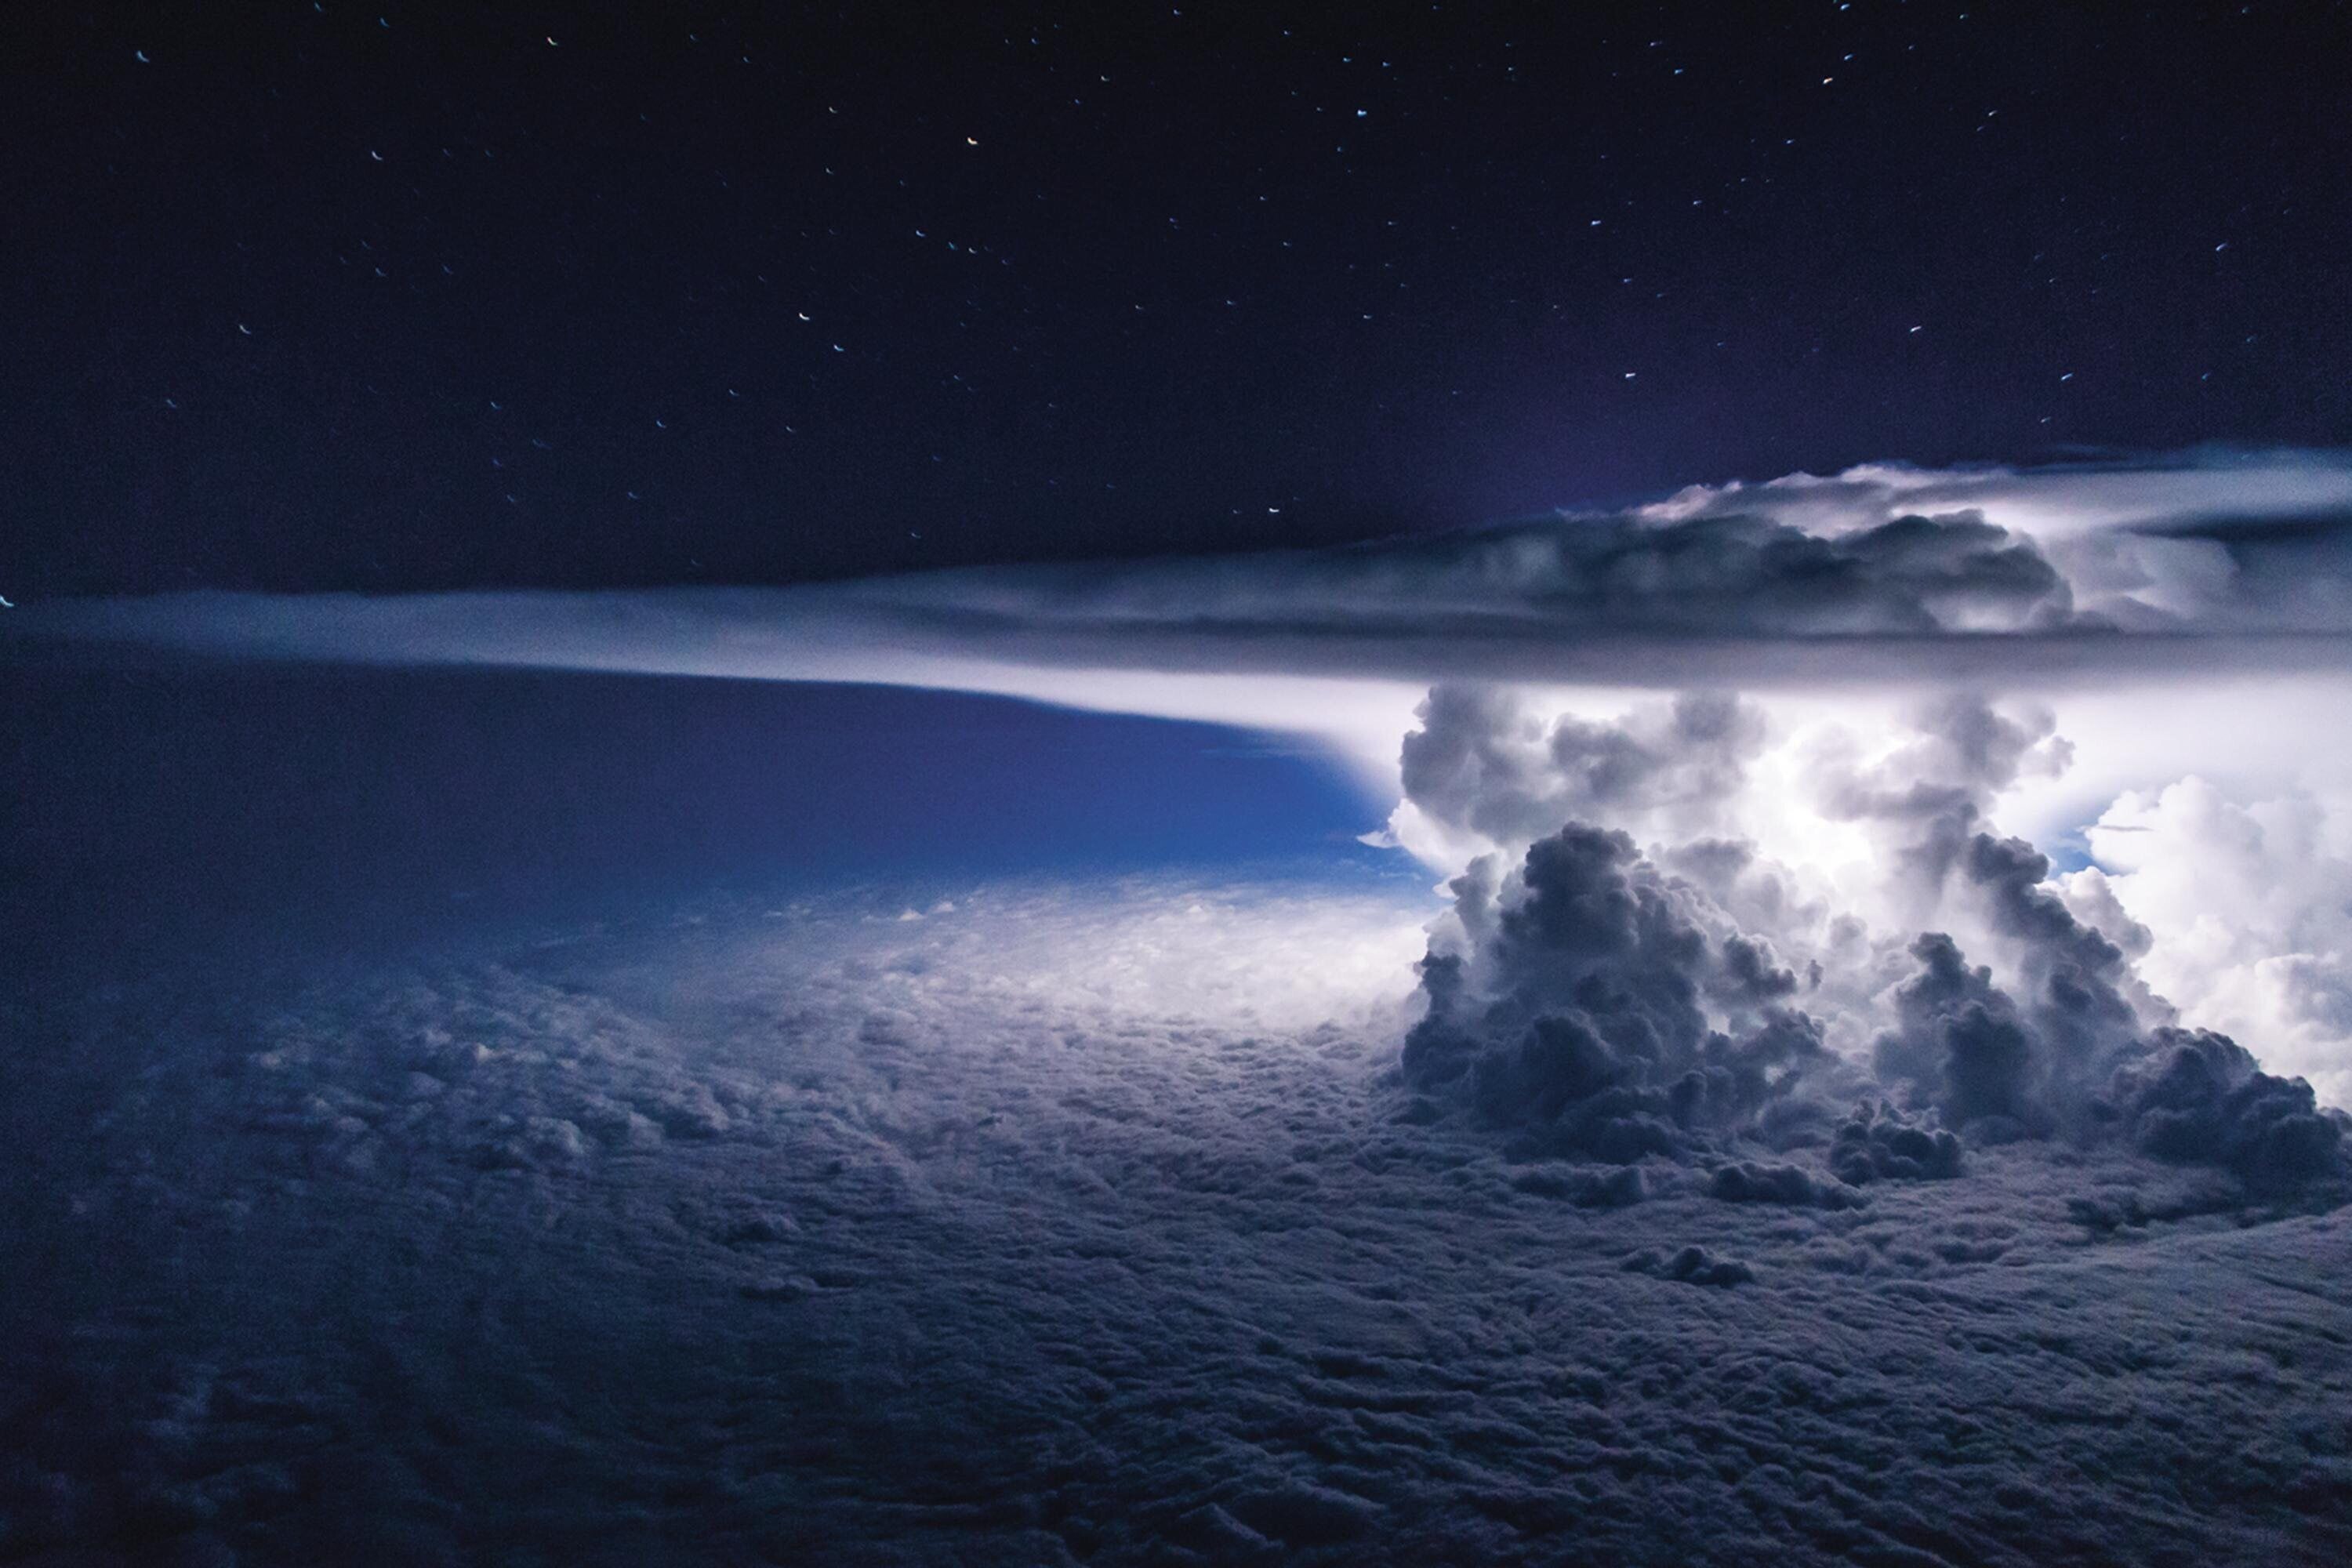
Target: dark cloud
[(1747, 1182), (1879, 1144), (1611, 1188), (1714, 575), (2200, 1097), (1960, 1041), (1582, 1012), (968, 1258), (1691, 1266), (2079, 984), (2076, 1056)]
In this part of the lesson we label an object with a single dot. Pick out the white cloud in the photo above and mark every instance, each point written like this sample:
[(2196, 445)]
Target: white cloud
[(1838, 840), (2248, 907)]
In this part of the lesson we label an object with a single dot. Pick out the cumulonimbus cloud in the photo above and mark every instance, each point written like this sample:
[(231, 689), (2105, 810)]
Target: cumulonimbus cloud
[(1694, 999), (2086, 576)]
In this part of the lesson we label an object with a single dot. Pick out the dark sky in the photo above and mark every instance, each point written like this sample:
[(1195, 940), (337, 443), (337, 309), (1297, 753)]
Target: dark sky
[(383, 296)]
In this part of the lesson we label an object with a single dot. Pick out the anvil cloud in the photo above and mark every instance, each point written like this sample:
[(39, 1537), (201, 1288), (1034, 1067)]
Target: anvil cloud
[(1881, 572)]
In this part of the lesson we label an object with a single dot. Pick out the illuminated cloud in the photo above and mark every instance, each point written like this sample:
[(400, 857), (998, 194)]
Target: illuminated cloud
[(2241, 911), (1019, 1249), (1688, 995), (1881, 572)]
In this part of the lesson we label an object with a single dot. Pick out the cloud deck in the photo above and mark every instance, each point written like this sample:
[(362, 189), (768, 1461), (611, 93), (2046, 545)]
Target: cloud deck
[(844, 1239)]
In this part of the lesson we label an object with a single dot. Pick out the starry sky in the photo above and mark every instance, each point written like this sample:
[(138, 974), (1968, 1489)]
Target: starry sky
[(385, 296)]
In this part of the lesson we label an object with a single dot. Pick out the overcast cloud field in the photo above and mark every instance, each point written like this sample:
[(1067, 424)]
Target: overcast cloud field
[(826, 1233)]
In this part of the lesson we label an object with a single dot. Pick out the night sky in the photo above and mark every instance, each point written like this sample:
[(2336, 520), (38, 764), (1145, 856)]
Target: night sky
[(381, 298)]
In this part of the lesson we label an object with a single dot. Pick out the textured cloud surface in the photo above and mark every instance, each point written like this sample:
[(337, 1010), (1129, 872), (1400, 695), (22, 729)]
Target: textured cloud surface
[(825, 1235), (1616, 1000)]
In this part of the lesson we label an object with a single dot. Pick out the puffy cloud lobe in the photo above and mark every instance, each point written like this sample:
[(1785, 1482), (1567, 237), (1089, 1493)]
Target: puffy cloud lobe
[(1604, 1006), (2247, 540), (1932, 791), (1961, 753), (2079, 984), (1584, 1014), (2075, 1056), (1981, 1056), (1747, 1182), (1881, 1143), (1479, 762), (2200, 1097), (1961, 1040)]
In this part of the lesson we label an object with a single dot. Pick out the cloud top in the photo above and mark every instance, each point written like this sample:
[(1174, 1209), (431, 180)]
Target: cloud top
[(1881, 572)]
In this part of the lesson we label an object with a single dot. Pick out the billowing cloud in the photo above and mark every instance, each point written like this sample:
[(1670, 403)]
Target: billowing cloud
[(1477, 761), (1609, 1010), (1607, 1002), (2240, 910), (1753, 1053)]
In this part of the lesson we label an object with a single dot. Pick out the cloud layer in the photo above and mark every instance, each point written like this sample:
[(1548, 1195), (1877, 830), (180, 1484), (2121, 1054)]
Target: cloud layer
[(2205, 564), (833, 1237)]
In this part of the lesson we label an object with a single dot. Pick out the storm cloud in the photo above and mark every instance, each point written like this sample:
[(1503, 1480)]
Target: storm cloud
[(1599, 1004), (807, 1232)]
